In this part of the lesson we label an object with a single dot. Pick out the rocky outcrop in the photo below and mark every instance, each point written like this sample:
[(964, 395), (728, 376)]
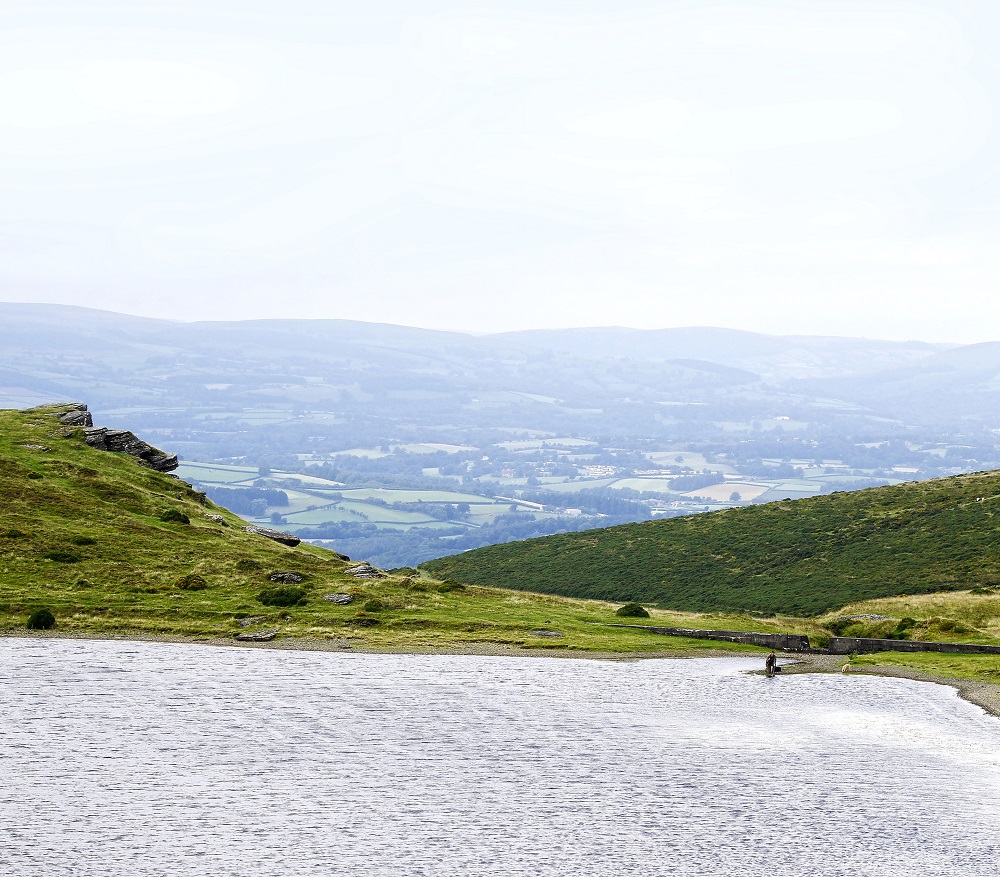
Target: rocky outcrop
[(286, 578), (124, 442), (365, 571), (341, 599), (118, 440), (276, 535)]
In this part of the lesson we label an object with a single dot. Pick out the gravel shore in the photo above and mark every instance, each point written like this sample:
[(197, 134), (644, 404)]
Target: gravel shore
[(983, 694)]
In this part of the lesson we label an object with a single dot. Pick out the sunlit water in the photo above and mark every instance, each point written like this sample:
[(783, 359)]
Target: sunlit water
[(160, 759)]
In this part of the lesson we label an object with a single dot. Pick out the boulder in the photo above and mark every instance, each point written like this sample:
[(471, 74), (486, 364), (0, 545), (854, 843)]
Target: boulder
[(286, 578), (216, 519), (276, 535), (365, 571), (75, 414), (342, 599), (545, 633), (260, 636)]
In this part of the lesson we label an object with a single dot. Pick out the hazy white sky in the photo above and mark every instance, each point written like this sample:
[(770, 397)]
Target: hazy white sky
[(784, 166)]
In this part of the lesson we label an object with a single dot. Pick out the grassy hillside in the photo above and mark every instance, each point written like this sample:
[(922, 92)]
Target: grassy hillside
[(103, 544), (800, 557)]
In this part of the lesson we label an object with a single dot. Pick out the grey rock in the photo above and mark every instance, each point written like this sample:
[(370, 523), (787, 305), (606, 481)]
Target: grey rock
[(545, 633), (868, 618), (286, 578), (124, 442), (31, 447), (276, 535), (365, 571), (251, 621), (260, 636), (342, 599), (76, 415), (216, 519)]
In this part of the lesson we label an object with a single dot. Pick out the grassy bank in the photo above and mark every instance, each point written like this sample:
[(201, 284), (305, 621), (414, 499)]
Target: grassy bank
[(112, 548)]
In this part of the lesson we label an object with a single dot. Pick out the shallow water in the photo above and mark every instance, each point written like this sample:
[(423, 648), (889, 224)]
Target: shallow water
[(152, 759)]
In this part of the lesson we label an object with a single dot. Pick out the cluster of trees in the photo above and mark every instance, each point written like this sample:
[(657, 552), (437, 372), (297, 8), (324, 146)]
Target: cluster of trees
[(252, 501)]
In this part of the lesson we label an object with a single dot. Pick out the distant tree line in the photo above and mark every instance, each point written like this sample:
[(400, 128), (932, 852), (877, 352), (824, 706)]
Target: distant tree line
[(246, 500)]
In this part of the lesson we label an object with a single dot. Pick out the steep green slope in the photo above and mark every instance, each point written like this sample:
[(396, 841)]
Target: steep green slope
[(110, 547), (800, 557), (102, 541)]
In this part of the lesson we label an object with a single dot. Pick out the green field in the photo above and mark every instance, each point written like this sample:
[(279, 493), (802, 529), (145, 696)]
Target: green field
[(310, 503)]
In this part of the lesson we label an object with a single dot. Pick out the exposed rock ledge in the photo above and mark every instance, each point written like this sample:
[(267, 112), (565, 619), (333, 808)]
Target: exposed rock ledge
[(118, 440)]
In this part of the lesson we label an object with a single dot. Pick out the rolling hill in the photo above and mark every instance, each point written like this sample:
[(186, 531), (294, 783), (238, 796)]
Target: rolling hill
[(801, 557)]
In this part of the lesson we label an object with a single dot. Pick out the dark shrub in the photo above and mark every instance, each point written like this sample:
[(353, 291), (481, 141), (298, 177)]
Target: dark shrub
[(12, 534), (83, 540), (417, 586), (632, 610), (247, 565), (34, 476), (41, 619), (282, 596), (173, 516), (448, 587), (192, 582), (62, 557), (362, 620), (373, 605)]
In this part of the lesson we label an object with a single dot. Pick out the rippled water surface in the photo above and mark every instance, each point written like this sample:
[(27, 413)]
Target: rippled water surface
[(155, 759)]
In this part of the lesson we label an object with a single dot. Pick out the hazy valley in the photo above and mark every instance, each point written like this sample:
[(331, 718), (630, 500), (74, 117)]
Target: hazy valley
[(402, 444)]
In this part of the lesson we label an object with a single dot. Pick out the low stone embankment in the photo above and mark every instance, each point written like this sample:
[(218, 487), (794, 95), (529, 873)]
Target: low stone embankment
[(845, 645), (790, 642), (839, 645)]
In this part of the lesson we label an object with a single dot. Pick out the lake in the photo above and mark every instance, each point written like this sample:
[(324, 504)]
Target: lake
[(126, 758)]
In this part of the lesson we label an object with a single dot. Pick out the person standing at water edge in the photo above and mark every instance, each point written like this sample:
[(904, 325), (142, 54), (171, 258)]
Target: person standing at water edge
[(769, 663)]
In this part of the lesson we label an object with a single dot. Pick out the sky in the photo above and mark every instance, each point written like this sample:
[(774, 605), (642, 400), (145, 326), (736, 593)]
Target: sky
[(789, 167)]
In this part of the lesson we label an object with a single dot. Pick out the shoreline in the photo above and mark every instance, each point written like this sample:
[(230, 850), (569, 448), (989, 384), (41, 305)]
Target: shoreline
[(982, 694)]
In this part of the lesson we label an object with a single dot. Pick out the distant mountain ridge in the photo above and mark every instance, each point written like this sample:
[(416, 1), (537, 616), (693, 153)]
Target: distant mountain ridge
[(773, 356), (553, 380)]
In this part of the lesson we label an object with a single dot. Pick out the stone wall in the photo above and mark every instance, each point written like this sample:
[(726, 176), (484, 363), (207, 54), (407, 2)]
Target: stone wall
[(845, 645), (790, 642)]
